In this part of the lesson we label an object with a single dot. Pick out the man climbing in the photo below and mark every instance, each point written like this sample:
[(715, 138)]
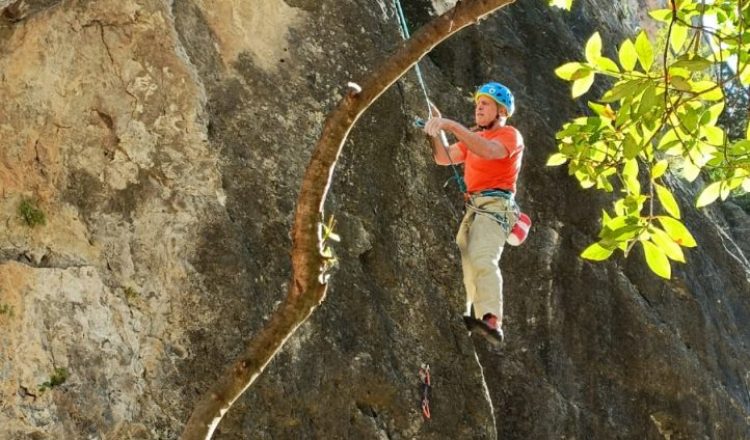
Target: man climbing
[(491, 153)]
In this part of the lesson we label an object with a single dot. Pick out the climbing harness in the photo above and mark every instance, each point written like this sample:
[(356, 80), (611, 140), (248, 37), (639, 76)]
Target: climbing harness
[(418, 122), (426, 387), (517, 232), (501, 217)]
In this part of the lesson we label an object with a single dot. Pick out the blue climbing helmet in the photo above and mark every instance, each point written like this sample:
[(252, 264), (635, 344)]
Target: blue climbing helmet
[(498, 93)]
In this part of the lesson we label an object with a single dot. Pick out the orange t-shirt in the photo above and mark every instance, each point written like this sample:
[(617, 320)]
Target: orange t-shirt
[(481, 174)]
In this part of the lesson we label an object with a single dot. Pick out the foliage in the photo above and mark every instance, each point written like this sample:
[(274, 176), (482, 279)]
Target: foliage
[(130, 293), (58, 377), (734, 120), (30, 213), (660, 118), (326, 251), (6, 309), (564, 4)]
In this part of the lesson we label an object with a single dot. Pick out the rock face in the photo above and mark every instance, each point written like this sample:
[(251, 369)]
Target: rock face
[(165, 141)]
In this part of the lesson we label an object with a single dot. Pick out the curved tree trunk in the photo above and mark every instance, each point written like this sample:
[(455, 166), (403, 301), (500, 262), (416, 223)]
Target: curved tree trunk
[(307, 287)]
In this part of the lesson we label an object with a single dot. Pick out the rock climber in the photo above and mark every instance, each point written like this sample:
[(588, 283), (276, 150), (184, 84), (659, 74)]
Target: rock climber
[(491, 153)]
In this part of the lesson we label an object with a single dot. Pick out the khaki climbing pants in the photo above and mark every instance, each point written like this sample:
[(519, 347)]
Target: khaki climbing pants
[(480, 239)]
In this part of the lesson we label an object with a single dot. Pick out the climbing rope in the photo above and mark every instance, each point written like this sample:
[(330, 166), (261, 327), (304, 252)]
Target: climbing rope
[(404, 27), (406, 35)]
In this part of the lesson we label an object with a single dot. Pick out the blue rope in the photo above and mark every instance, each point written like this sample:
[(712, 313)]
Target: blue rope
[(406, 35), (418, 122)]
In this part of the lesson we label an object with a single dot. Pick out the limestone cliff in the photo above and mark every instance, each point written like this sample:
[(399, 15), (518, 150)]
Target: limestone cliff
[(164, 142)]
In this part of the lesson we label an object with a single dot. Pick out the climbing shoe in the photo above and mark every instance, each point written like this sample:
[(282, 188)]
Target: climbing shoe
[(486, 327)]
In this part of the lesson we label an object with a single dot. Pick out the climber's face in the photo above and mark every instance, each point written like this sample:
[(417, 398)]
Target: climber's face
[(486, 111)]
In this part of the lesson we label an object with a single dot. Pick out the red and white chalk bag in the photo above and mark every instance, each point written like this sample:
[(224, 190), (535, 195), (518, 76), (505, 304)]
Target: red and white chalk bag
[(520, 230)]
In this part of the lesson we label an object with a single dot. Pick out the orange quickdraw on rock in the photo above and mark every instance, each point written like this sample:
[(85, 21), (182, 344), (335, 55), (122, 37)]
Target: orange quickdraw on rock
[(426, 385)]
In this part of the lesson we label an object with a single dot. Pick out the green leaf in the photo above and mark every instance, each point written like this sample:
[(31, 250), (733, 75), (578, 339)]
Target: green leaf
[(746, 185), (630, 148), (625, 89), (581, 86), (556, 159), (694, 64), (622, 233), (562, 4), (725, 190), (678, 71), (586, 182), (665, 243), (678, 37), (568, 70), (620, 209), (668, 140), (663, 15), (594, 48), (628, 55), (634, 204), (677, 231), (657, 260), (716, 56), (689, 118), (745, 76), (708, 195), (667, 200), (714, 135), (649, 127), (613, 224), (623, 114), (689, 171), (680, 84), (630, 174), (596, 252), (648, 100), (603, 183), (605, 111), (606, 64), (737, 179), (644, 50), (658, 169), (741, 148), (706, 152), (714, 112), (709, 90)]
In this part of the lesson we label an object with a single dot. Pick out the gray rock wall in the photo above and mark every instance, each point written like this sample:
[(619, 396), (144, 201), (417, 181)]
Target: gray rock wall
[(165, 142)]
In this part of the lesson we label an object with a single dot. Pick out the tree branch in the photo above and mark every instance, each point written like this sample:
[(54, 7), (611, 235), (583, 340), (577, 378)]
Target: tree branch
[(307, 289)]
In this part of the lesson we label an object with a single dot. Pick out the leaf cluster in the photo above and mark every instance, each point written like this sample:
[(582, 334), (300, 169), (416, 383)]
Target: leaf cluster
[(562, 4), (6, 309), (30, 213), (58, 377), (130, 293), (327, 235), (659, 118)]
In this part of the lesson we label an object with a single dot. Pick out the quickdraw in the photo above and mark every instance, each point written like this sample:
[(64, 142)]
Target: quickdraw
[(426, 386)]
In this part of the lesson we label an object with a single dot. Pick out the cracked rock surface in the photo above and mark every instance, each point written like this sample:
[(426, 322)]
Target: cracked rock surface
[(164, 142)]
